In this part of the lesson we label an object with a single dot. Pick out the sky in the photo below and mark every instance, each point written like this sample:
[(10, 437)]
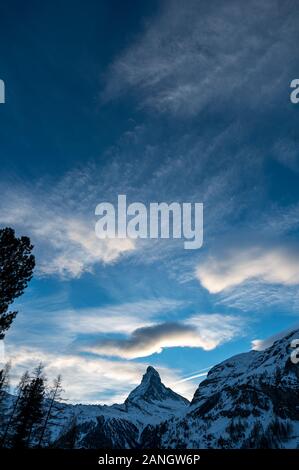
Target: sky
[(160, 101)]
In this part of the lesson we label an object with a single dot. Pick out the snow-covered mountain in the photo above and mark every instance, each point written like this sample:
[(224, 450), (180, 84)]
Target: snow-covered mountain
[(250, 400), (120, 426)]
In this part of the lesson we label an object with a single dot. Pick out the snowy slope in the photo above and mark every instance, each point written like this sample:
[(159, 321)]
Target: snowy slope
[(250, 400)]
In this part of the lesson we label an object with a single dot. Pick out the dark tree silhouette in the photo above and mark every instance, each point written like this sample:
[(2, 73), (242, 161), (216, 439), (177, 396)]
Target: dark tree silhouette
[(16, 268), (4, 405), (53, 412), (4, 381), (22, 384), (30, 412)]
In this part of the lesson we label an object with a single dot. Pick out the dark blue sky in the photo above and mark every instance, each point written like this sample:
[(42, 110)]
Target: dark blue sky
[(162, 102), (53, 56)]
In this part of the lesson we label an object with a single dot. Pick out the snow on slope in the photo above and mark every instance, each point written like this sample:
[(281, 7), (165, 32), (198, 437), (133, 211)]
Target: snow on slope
[(120, 425), (250, 400)]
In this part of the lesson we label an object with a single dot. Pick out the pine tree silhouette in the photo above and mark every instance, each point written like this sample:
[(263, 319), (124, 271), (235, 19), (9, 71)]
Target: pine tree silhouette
[(53, 411), (5, 442), (16, 268), (4, 405), (30, 411)]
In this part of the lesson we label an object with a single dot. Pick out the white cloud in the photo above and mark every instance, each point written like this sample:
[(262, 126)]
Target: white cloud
[(200, 331), (234, 266)]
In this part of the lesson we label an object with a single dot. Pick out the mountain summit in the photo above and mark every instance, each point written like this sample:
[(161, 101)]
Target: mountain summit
[(152, 390)]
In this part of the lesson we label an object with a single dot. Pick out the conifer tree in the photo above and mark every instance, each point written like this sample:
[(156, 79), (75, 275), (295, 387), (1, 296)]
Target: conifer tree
[(8, 428), (4, 403), (16, 268), (53, 410), (30, 412)]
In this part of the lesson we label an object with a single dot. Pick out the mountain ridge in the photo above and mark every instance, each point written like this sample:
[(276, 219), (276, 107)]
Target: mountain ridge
[(250, 400)]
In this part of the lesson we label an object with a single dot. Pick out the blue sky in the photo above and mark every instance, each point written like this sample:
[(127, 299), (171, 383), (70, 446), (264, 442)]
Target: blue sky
[(161, 102)]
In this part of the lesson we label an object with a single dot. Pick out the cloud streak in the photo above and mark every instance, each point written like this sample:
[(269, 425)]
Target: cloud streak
[(200, 331), (188, 58)]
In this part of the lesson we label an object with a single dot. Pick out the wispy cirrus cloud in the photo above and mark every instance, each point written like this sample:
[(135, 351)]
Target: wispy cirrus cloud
[(188, 58), (59, 219), (59, 215), (257, 296), (199, 331)]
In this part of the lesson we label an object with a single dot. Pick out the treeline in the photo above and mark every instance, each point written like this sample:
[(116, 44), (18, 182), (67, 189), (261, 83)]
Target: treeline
[(27, 416)]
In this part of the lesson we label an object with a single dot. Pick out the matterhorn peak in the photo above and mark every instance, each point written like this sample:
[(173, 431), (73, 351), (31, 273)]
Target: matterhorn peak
[(151, 374), (151, 389), (151, 370)]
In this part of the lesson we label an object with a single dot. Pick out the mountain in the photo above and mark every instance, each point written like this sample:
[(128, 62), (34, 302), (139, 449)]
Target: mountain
[(248, 401), (120, 426), (152, 391)]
